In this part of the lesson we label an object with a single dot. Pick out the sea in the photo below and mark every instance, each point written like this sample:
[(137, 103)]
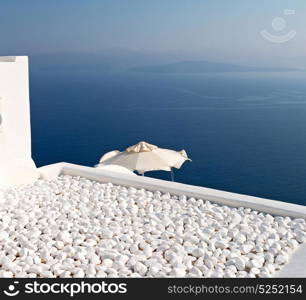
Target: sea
[(245, 132)]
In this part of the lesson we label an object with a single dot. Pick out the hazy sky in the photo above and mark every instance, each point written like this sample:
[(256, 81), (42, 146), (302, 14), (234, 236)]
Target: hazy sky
[(222, 30)]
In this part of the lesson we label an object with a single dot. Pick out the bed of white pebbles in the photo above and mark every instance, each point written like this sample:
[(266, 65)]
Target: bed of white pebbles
[(74, 227)]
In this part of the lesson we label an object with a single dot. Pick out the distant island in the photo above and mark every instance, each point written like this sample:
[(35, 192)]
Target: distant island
[(206, 67)]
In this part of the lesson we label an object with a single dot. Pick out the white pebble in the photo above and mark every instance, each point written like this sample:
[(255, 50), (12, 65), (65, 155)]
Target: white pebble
[(76, 227), (246, 248), (238, 262), (107, 262), (281, 259), (300, 236), (106, 234)]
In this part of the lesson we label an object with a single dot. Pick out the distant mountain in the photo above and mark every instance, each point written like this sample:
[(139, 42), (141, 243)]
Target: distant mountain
[(120, 59), (206, 67), (113, 59)]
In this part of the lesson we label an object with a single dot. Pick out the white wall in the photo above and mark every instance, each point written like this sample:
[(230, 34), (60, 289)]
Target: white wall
[(16, 164)]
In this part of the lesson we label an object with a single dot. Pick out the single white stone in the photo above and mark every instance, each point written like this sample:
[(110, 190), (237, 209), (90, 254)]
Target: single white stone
[(240, 238), (6, 274), (259, 249), (140, 268), (221, 244), (197, 252), (236, 219), (121, 259), (170, 255), (194, 271), (264, 275), (271, 268), (178, 272), (281, 259), (147, 251), (79, 274), (59, 245), (273, 251), (269, 257), (107, 262), (292, 243), (255, 263), (101, 274), (3, 235), (94, 259), (64, 237), (217, 274), (5, 261), (90, 271), (229, 274), (191, 238), (238, 262), (300, 236), (277, 246), (67, 274), (246, 248), (255, 271), (35, 269), (242, 274), (282, 231), (153, 270), (136, 275)]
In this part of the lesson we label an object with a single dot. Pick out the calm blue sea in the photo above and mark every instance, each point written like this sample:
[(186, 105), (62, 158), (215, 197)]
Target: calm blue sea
[(245, 133)]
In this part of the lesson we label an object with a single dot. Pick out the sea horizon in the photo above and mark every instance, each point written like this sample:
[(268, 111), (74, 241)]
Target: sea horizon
[(243, 131)]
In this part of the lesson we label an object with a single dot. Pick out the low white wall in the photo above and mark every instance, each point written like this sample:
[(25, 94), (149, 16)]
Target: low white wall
[(217, 196)]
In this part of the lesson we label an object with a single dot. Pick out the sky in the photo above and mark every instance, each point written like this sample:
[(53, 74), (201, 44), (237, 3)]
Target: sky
[(219, 30)]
